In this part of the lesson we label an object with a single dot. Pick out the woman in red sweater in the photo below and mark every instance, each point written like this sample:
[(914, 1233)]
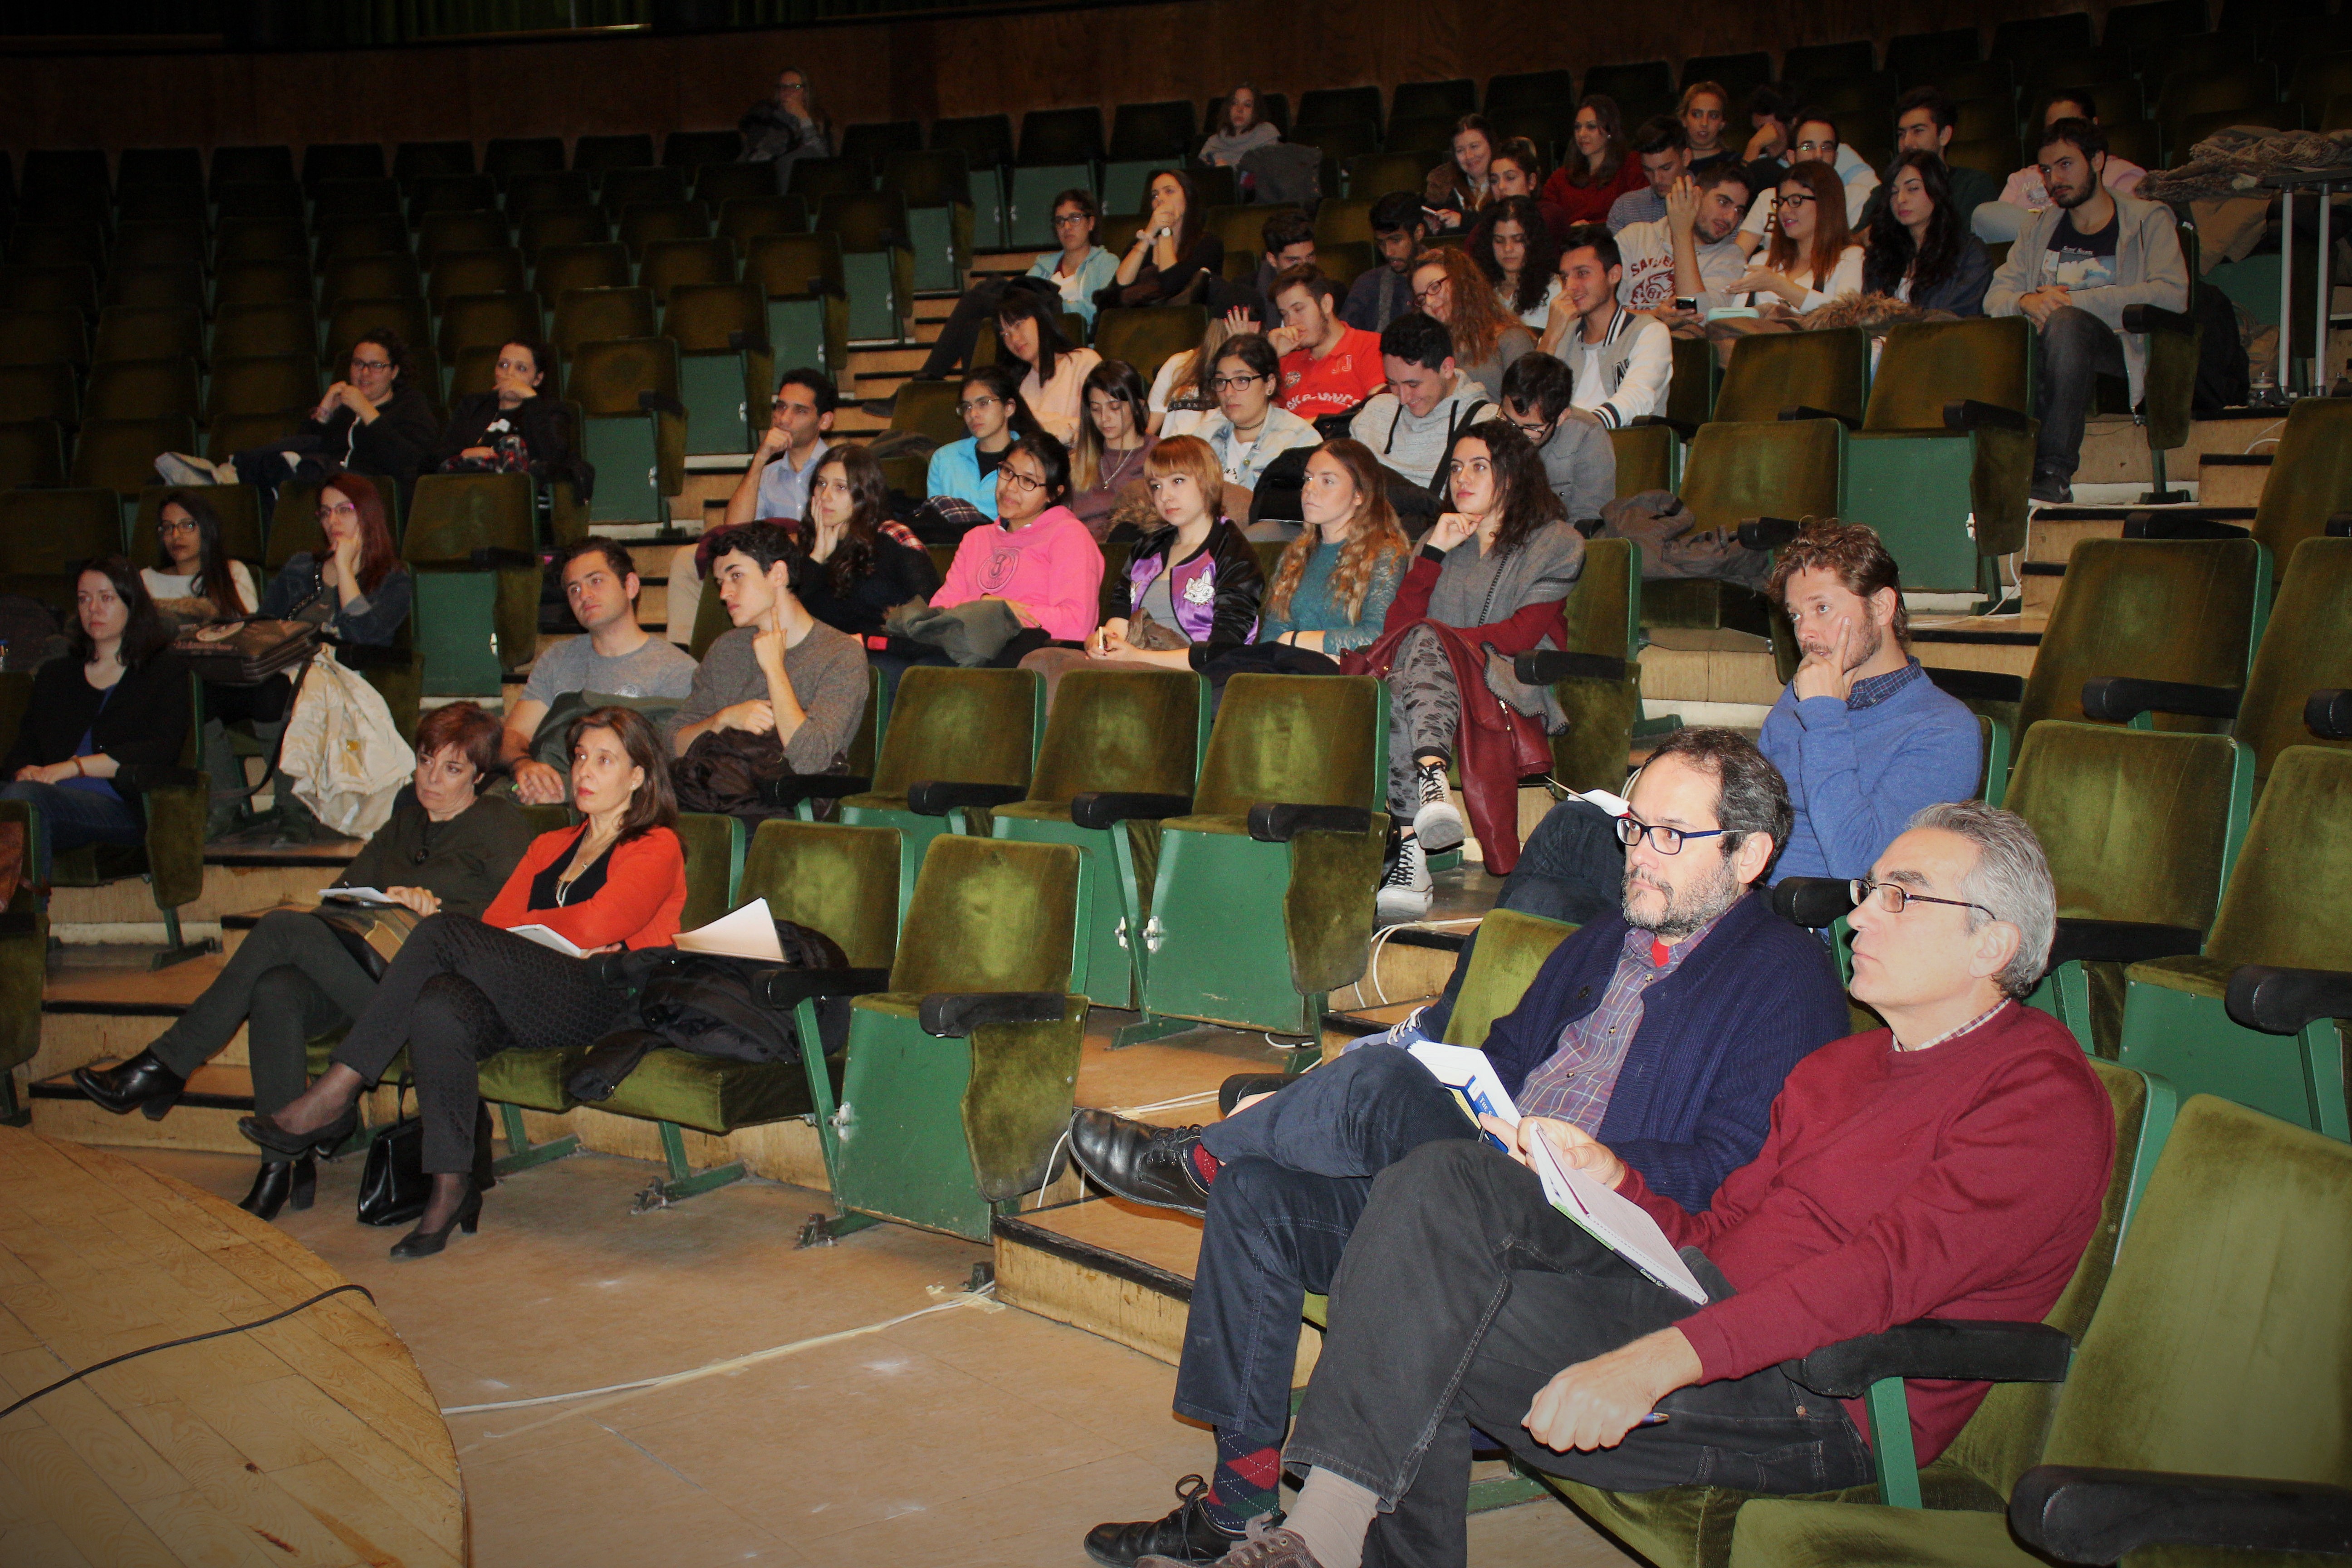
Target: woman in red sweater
[(1599, 167), (463, 989)]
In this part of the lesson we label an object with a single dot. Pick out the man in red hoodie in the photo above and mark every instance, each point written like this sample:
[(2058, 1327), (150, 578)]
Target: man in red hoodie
[(1950, 1165)]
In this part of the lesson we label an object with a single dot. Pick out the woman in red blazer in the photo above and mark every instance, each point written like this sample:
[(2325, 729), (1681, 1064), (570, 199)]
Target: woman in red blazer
[(463, 989)]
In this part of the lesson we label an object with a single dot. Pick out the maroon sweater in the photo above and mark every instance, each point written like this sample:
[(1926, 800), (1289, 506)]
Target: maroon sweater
[(1962, 1181)]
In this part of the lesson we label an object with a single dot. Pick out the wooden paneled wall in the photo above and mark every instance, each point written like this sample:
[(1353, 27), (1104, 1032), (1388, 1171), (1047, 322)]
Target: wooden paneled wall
[(923, 68)]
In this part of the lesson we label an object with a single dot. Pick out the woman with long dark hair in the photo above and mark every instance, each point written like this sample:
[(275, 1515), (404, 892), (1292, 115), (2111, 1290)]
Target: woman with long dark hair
[(1490, 579), (961, 485), (1514, 248), (1037, 557), (192, 565), (1598, 167), (1171, 252), (1811, 257), (1919, 249), (1030, 330), (461, 989), (517, 427), (865, 570), (1114, 443), (378, 419), (1449, 289), (112, 705)]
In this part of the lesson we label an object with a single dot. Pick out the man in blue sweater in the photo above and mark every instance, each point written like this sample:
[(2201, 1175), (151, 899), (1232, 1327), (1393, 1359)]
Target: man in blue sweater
[(1665, 1029)]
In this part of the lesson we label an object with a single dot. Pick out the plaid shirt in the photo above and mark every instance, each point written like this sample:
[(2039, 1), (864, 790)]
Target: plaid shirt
[(1877, 689), (1574, 1083)]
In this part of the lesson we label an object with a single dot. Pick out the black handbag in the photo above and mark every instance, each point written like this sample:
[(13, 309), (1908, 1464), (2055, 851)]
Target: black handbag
[(393, 1187)]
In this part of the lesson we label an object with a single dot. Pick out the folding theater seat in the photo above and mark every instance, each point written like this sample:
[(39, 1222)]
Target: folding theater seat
[(1796, 374), (1595, 677), (878, 267), (937, 189), (470, 542), (634, 428), (1060, 149), (802, 275), (727, 376), (1731, 474)]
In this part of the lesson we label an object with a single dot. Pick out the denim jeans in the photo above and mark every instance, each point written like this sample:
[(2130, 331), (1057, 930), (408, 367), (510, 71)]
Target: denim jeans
[(1297, 1172), (69, 818), (2077, 348), (1571, 868), (1462, 1294)]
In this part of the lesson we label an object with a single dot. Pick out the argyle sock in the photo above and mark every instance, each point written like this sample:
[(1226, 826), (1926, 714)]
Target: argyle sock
[(1247, 1483)]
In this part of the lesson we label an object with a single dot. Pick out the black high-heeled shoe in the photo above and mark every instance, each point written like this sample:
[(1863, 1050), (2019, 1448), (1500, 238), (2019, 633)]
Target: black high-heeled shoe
[(423, 1243), (266, 1131), (279, 1181), (143, 1083)]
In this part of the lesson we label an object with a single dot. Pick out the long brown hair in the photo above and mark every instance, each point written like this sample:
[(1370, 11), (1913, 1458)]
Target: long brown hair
[(1478, 323), (1528, 500), (214, 580), (1572, 165), (143, 634), (1195, 219), (378, 554), (1830, 234), (1376, 537), (653, 804), (1117, 379), (869, 504)]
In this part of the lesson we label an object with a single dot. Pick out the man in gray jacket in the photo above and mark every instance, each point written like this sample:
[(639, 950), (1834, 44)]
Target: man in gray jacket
[(1578, 461), (2074, 270)]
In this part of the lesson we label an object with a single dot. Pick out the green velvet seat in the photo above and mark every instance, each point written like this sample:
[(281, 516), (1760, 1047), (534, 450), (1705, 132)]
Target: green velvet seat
[(2221, 1347), (2172, 343), (1647, 457), (1113, 731), (727, 376), (2307, 646), (1148, 337), (1919, 482), (946, 1129), (1511, 948), (1252, 933), (1791, 469), (877, 264), (2176, 610), (2138, 826), (2284, 906), (1691, 1527), (808, 301), (936, 188), (1603, 700), (471, 545), (1690, 394), (1772, 372), (43, 534), (2310, 479), (634, 428), (971, 727)]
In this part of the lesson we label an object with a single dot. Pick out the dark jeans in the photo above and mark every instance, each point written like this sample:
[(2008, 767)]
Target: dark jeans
[(1297, 1172), (67, 819), (290, 980), (1463, 1293), (459, 991), (960, 333), (2077, 348), (1571, 868)]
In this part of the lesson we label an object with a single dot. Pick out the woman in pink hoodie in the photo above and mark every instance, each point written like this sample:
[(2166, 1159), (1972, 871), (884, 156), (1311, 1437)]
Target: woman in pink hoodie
[(1037, 556)]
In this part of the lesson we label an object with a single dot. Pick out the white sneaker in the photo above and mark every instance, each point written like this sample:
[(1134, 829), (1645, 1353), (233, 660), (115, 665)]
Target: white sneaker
[(1436, 820), (1405, 891), (182, 469)]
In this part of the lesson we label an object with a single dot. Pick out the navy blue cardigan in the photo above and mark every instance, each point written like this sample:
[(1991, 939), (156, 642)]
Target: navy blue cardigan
[(1718, 1036)]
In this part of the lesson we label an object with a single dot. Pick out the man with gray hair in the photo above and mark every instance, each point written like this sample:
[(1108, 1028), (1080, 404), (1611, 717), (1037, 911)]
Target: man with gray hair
[(1952, 1164)]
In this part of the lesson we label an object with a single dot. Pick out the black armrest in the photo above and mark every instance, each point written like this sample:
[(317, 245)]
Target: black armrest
[(1271, 823), (955, 1014), (1545, 667), (1807, 411), (144, 776), (2120, 698), (2338, 525), (794, 788), (2083, 1515), (2282, 1001), (653, 401), (790, 987), (2329, 714), (490, 557), (748, 342), (1768, 533), (937, 797), (1968, 414), (1940, 1348), (1682, 427), (1103, 808), (367, 656), (2157, 319), (2178, 525), (1811, 902), (2119, 942), (1978, 685)]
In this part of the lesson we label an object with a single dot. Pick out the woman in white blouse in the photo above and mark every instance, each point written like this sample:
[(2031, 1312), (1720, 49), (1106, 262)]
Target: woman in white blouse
[(190, 563), (1031, 331), (1811, 257)]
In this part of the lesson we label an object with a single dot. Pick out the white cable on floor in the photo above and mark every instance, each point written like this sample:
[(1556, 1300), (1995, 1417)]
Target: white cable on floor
[(1178, 1103)]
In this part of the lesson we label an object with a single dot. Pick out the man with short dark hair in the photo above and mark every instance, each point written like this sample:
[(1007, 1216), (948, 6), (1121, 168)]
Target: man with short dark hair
[(776, 484), (1813, 139), (1327, 366), (1769, 109), (1663, 152), (1924, 119), (1624, 362), (1410, 425), (2073, 272), (1289, 236), (1580, 465), (1665, 1027), (1693, 253), (617, 657), (1999, 222), (1381, 294)]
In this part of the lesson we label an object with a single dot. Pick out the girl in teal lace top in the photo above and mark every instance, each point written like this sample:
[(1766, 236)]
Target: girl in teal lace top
[(1332, 588)]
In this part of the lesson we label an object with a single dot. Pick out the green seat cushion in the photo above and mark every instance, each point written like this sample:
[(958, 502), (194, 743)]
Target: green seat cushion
[(530, 1079), (712, 1094), (1691, 1527), (876, 802), (1217, 824), (1793, 1532), (2197, 976)]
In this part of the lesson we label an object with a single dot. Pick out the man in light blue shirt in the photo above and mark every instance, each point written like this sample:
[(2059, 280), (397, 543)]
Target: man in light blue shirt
[(776, 485)]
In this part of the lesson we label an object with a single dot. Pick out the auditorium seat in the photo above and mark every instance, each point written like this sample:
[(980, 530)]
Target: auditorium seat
[(808, 305), (877, 140), (263, 328), (1732, 473), (925, 408), (716, 184), (986, 143), (49, 289), (509, 158), (43, 336), (1060, 147), (147, 333), (1147, 337), (413, 162), (1641, 90), (742, 219), (163, 204), (149, 166), (1771, 373), (543, 229), (936, 187), (727, 376), (260, 198), (633, 426), (449, 194), (560, 270), (175, 285), (65, 169), (489, 319), (622, 188), (44, 534), (159, 242), (2025, 38), (143, 389), (1737, 75), (243, 165), (528, 192), (440, 234), (1597, 682), (271, 383), (332, 199), (595, 155), (238, 506), (62, 242), (641, 224), (32, 451), (382, 276), (325, 161), (1528, 89), (455, 273), (257, 239), (693, 149), (1369, 176), (878, 269), (23, 927), (813, 179), (230, 433), (1648, 457), (470, 541), (46, 390)]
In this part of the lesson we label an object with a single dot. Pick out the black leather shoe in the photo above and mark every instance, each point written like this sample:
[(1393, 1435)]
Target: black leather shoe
[(143, 1083), (423, 1243), (1242, 1085), (265, 1131), (1184, 1536), (278, 1181), (1139, 1162)]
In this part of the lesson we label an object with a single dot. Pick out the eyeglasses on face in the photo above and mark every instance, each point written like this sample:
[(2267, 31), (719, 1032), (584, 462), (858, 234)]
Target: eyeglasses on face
[(359, 364), (1021, 481), (1231, 382), (1891, 897), (1069, 220), (341, 509), (1796, 198), (972, 404), (1665, 841), (184, 525), (1428, 295)]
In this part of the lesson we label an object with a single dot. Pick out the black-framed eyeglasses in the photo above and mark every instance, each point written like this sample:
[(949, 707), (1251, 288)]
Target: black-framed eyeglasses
[(184, 525), (1665, 841), (1892, 896), (1231, 382), (371, 364), (1027, 485)]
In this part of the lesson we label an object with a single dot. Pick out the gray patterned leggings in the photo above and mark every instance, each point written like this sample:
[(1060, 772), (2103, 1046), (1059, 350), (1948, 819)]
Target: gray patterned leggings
[(1425, 712)]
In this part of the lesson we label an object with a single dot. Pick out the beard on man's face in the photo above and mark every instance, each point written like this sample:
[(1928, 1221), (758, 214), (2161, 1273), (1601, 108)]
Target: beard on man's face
[(1675, 914)]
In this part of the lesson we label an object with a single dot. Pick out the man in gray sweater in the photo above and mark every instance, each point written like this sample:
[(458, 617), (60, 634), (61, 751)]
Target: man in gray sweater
[(781, 671), (1410, 426), (2072, 272), (1578, 461)]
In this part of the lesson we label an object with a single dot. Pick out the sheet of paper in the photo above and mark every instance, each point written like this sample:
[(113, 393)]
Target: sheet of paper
[(1619, 1222), (548, 937), (1472, 1079), (749, 932), (1614, 804), (359, 896)]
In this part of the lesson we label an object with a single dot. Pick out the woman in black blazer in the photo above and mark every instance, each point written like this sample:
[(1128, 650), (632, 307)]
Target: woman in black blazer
[(512, 426), (114, 705)]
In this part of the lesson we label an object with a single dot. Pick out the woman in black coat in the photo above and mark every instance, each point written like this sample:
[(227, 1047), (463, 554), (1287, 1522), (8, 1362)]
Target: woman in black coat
[(864, 571), (512, 429), (113, 705), (379, 422), (1920, 249)]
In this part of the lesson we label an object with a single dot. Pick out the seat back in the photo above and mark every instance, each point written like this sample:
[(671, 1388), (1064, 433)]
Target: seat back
[(119, 453), (1163, 130), (608, 374), (843, 881), (45, 391), (795, 265), (32, 452), (2137, 827), (453, 515), (413, 160), (668, 264), (1604, 615), (29, 288), (510, 157), (326, 161), (716, 184), (642, 223), (259, 199), (263, 385), (487, 320), (1061, 136), (1783, 469), (1149, 336), (974, 726), (1645, 458), (714, 860), (1511, 948), (597, 153), (687, 149), (558, 269), (2161, 609), (544, 228), (743, 219), (1773, 370), (937, 178), (1926, 364), (440, 234), (877, 140), (989, 914), (813, 179), (44, 337), (461, 272), (865, 220), (2307, 646), (263, 281), (927, 407), (986, 140), (622, 189), (238, 506), (2220, 1345), (450, 193), (531, 192), (383, 276), (706, 318), (1121, 729), (2311, 476), (1298, 740), (2282, 904), (598, 315), (241, 165)]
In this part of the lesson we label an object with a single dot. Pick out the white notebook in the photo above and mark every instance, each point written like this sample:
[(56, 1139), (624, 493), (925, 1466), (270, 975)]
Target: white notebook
[(546, 936), (749, 932), (359, 896)]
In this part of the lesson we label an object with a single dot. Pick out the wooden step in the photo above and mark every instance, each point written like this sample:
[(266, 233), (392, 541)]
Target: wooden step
[(2055, 530), (850, 421), (896, 361), (1708, 665), (1002, 263), (2004, 644), (2232, 478)]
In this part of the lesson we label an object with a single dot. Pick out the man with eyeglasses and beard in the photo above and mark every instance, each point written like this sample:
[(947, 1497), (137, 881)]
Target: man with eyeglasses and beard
[(1664, 1030)]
